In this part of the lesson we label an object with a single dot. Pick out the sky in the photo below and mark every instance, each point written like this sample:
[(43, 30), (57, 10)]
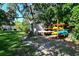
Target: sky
[(5, 9)]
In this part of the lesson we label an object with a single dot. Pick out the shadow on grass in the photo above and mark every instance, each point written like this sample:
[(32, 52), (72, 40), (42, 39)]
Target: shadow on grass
[(9, 43)]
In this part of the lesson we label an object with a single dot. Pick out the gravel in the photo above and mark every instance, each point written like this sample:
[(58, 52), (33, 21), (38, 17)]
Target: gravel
[(43, 47)]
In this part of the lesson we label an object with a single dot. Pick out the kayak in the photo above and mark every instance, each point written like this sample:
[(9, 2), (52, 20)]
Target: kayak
[(63, 32)]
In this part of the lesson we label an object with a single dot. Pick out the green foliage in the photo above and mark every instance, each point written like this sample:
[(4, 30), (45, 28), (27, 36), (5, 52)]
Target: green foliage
[(2, 15), (6, 18), (41, 6), (75, 18), (75, 13), (25, 25), (19, 25), (46, 12), (66, 12), (50, 13), (66, 9)]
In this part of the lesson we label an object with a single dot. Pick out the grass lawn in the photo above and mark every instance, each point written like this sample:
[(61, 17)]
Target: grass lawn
[(9, 42)]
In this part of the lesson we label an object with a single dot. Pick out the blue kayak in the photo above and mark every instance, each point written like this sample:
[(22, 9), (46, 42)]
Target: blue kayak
[(63, 32)]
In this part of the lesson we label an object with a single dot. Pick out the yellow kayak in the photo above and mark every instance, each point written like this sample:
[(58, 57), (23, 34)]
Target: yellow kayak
[(54, 33), (59, 28)]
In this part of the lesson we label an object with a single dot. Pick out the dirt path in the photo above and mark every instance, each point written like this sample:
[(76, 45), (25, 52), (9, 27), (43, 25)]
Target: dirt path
[(49, 47)]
